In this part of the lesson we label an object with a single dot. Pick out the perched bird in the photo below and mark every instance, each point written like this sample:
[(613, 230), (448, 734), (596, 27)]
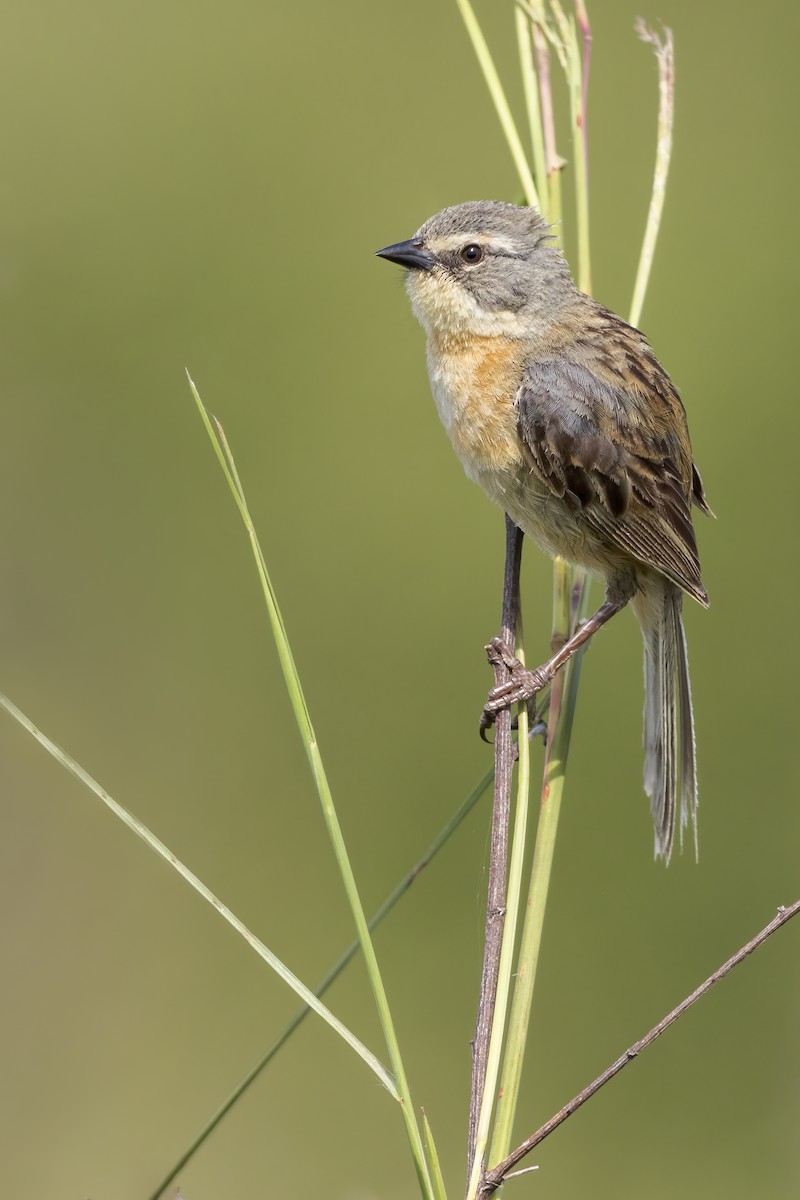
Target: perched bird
[(563, 415)]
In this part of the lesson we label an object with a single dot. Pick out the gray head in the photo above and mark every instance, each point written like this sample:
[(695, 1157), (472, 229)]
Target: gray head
[(483, 267)]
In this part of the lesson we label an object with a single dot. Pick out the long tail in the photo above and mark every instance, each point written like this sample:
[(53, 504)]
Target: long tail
[(668, 716)]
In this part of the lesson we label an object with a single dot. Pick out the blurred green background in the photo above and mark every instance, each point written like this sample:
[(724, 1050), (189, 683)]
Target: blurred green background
[(203, 185)]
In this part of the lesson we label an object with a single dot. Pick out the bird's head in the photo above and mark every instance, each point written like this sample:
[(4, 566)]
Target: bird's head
[(483, 268)]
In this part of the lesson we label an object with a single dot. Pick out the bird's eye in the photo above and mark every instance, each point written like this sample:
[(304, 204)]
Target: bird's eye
[(473, 253)]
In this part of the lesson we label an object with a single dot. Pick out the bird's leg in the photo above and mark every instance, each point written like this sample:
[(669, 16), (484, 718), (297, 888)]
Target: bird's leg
[(524, 684), (503, 658)]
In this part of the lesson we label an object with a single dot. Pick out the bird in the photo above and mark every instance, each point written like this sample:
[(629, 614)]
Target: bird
[(559, 410)]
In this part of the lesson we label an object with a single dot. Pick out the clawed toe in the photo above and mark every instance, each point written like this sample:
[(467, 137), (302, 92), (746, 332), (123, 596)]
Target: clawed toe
[(499, 653), (486, 722), (521, 687)]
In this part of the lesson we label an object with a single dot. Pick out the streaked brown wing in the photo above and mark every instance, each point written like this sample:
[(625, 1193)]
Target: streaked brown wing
[(603, 427)]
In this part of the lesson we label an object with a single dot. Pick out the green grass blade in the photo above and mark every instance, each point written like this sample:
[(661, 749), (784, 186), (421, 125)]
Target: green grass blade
[(335, 971), (530, 83), (432, 1153), (311, 746), (500, 101), (164, 852)]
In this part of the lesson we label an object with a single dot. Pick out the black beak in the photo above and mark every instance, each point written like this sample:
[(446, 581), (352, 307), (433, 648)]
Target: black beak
[(408, 254)]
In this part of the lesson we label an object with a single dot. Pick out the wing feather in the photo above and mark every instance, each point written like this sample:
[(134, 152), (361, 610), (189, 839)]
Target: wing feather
[(603, 427)]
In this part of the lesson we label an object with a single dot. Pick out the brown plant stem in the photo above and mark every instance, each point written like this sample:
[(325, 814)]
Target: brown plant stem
[(586, 38), (498, 853), (493, 1179), (552, 157)]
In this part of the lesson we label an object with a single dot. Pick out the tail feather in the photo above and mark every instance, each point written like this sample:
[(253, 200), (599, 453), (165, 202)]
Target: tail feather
[(668, 719), (688, 741)]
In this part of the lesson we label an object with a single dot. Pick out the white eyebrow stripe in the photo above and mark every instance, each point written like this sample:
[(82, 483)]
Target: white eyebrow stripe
[(454, 241)]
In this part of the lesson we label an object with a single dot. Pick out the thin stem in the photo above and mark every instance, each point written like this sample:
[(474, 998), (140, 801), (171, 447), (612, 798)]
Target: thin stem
[(308, 736), (567, 583), (498, 854), (555, 34), (553, 160), (560, 727), (500, 102), (521, 1171), (571, 587), (494, 1178), (665, 56), (507, 949), (531, 85), (140, 829), (580, 143), (586, 36), (575, 64), (330, 977)]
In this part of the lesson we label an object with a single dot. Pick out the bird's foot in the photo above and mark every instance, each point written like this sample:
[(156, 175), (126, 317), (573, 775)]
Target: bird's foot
[(520, 688)]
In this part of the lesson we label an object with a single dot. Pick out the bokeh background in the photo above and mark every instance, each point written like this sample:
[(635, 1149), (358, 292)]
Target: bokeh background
[(203, 185)]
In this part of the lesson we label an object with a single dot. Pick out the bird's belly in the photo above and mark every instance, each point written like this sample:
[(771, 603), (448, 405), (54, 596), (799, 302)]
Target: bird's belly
[(541, 516), (556, 527)]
